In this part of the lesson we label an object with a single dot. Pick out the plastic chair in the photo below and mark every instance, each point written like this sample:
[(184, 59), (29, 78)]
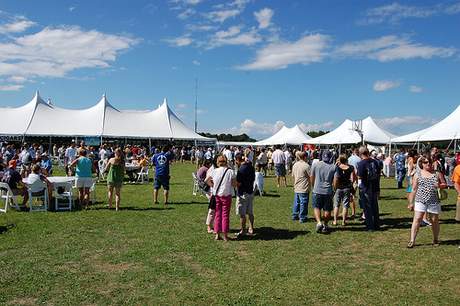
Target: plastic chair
[(143, 176), (67, 194), (92, 192), (101, 165), (7, 194), (43, 197)]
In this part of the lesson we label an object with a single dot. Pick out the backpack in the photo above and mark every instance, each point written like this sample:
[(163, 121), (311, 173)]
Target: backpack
[(373, 171)]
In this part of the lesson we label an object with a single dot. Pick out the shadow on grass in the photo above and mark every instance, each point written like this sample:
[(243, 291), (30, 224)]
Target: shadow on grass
[(450, 242), (385, 224), (270, 233), (270, 195), (390, 198), (133, 208), (5, 228), (448, 221), (189, 203), (448, 207)]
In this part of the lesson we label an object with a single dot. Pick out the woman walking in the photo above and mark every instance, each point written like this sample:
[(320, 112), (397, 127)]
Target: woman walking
[(84, 171), (424, 192), (222, 182), (344, 178), (116, 168)]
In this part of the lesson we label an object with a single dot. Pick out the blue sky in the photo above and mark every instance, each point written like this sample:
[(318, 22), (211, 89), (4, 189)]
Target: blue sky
[(260, 64)]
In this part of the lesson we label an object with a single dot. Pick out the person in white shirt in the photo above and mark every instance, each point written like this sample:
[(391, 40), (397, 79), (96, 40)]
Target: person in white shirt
[(288, 158), (208, 154), (280, 165), (262, 160), (259, 181), (229, 155), (36, 182), (69, 156)]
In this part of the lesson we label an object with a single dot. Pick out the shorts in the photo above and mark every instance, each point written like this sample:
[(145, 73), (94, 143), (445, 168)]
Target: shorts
[(280, 170), (322, 201), (244, 204), (84, 182), (342, 196), (161, 181), (115, 184), (432, 208)]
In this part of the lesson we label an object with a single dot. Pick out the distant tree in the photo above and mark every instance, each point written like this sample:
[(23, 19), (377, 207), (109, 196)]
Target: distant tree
[(229, 137), (314, 134)]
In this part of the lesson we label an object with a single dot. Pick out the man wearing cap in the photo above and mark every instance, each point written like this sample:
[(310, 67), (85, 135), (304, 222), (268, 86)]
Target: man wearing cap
[(245, 192), (322, 176)]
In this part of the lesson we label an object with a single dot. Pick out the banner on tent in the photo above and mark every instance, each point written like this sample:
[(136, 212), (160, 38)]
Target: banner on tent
[(92, 141)]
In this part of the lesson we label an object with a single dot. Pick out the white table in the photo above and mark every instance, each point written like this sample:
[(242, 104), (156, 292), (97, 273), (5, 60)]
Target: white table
[(132, 167), (61, 180)]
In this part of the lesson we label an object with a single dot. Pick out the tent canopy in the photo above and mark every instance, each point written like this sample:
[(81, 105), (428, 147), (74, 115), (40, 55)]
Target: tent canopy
[(290, 136), (445, 130), (344, 134), (38, 118)]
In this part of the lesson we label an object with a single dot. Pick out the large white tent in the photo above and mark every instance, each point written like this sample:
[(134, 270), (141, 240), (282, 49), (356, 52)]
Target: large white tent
[(38, 118), (445, 130), (290, 136), (345, 134)]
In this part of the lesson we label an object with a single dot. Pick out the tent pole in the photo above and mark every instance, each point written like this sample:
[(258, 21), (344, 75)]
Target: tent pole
[(455, 146), (150, 144), (49, 148), (418, 146)]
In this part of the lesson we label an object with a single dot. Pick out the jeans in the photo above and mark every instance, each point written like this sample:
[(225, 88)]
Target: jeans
[(300, 206), (400, 174), (369, 201)]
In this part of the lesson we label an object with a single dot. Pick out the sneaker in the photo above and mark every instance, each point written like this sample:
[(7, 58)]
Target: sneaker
[(425, 223), (325, 229), (319, 227)]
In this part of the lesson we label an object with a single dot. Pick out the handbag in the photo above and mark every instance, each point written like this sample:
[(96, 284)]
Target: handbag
[(212, 200)]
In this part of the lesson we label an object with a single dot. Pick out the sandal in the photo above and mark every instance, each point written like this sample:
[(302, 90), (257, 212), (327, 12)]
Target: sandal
[(410, 245), (436, 243)]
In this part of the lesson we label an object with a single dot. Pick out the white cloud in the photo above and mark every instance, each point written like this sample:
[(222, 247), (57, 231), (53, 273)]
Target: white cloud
[(264, 17), (15, 24), (72, 8), (390, 48), (200, 27), (234, 36), (186, 13), (180, 41), (196, 63), (56, 51), (181, 106), (415, 89), (405, 124), (221, 16), (17, 79), (395, 12), (385, 85), (325, 126), (14, 87), (308, 49)]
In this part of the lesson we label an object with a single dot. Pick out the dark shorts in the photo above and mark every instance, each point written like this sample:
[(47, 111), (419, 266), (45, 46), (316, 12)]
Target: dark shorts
[(280, 170), (161, 181), (322, 201)]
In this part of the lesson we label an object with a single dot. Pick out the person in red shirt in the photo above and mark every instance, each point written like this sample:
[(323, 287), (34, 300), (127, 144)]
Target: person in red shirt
[(456, 181)]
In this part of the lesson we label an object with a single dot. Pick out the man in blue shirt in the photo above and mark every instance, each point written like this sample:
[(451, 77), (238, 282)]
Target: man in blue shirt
[(46, 165), (161, 162), (400, 160)]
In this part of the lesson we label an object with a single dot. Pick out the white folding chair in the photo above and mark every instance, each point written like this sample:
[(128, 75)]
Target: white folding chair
[(43, 197), (7, 195), (143, 176), (92, 192), (101, 165), (65, 194)]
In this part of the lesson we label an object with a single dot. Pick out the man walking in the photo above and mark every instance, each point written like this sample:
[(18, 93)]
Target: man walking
[(245, 192), (400, 160), (368, 181), (161, 162), (280, 165), (322, 176), (301, 175)]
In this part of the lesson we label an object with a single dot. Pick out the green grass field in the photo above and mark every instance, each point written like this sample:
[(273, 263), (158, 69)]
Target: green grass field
[(145, 255)]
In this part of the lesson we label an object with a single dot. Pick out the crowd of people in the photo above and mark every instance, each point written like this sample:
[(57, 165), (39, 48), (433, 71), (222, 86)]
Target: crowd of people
[(335, 181)]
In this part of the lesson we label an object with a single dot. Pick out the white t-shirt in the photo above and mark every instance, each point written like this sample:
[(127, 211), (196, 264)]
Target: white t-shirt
[(259, 182), (71, 154), (35, 183), (228, 154), (226, 188), (102, 154), (278, 157)]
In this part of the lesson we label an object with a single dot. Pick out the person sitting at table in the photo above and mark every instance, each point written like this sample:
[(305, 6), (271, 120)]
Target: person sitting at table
[(35, 182), (83, 172), (46, 165), (13, 178), (143, 161), (116, 168)]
